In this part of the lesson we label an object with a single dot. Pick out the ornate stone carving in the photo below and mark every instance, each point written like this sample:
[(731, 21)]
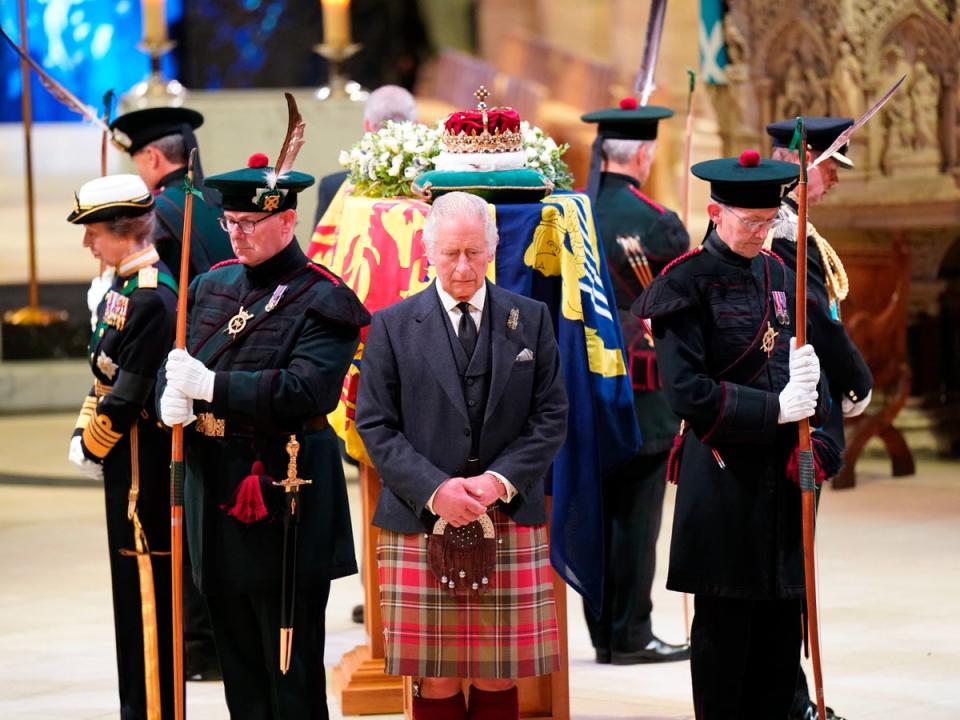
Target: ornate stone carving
[(846, 84)]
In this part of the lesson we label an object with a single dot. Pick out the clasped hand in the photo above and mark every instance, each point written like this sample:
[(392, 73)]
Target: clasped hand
[(461, 500), (798, 400)]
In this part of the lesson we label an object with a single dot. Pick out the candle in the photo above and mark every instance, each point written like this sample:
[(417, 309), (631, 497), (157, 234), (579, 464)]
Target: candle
[(154, 21), (336, 22)]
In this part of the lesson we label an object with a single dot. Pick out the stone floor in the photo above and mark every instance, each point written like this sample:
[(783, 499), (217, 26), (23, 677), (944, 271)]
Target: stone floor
[(889, 576)]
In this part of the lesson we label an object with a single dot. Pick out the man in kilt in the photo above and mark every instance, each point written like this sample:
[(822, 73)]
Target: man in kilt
[(462, 409)]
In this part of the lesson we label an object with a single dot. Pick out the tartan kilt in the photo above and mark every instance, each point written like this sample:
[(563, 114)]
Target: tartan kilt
[(508, 632)]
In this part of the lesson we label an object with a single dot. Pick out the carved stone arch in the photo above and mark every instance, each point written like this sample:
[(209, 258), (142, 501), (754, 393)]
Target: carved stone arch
[(918, 22), (772, 52)]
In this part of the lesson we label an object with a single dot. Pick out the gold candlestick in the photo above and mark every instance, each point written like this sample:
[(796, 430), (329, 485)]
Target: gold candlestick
[(154, 90), (32, 314), (338, 86)]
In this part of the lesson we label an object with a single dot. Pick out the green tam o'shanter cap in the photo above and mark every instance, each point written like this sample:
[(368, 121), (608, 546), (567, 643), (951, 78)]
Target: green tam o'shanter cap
[(256, 188), (747, 181), (629, 121)]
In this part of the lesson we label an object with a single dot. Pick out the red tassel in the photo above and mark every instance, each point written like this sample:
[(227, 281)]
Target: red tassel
[(247, 504), (673, 459)]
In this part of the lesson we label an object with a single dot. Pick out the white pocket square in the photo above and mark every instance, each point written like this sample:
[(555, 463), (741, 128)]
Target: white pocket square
[(525, 355)]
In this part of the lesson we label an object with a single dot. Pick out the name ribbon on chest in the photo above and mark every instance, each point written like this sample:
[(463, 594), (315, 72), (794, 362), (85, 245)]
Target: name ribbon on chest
[(780, 307)]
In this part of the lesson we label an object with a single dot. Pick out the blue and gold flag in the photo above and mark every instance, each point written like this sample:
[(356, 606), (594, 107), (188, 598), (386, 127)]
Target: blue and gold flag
[(550, 251)]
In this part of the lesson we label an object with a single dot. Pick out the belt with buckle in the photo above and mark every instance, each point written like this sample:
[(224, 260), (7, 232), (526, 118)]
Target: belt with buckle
[(210, 425)]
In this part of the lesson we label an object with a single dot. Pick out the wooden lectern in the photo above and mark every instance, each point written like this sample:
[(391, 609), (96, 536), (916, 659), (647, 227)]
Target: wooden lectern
[(363, 687)]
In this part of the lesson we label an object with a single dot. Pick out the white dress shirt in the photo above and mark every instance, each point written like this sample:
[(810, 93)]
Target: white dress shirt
[(476, 313)]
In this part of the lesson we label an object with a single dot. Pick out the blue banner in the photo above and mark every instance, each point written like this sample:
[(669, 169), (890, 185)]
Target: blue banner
[(550, 251)]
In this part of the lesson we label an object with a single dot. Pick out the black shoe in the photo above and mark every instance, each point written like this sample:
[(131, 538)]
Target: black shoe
[(810, 713), (656, 651), (603, 656), (357, 614)]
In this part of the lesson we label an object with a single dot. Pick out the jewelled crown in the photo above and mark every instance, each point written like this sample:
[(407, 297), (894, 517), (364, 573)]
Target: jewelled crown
[(484, 130)]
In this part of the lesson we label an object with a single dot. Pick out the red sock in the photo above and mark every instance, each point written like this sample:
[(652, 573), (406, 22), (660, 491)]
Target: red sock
[(450, 708), (493, 705)]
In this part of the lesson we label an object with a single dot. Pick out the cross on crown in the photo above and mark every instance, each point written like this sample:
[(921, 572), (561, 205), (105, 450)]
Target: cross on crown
[(481, 95)]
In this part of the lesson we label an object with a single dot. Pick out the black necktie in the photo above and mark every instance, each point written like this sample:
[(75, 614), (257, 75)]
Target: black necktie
[(467, 329)]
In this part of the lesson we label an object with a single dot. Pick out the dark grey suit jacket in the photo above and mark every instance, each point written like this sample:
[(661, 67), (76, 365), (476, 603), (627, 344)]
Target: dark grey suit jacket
[(412, 415)]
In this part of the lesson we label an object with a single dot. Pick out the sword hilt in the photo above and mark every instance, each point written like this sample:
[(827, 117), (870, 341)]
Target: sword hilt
[(292, 483)]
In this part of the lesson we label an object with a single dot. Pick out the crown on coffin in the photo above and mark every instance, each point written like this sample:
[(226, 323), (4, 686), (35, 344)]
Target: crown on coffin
[(484, 130)]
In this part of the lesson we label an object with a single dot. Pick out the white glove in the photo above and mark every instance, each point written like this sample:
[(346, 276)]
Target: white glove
[(98, 288), (804, 364), (189, 376), (85, 465), (851, 408), (797, 401), (176, 408)]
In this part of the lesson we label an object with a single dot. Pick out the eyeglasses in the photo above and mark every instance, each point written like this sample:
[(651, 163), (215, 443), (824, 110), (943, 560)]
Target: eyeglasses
[(753, 226), (246, 226)]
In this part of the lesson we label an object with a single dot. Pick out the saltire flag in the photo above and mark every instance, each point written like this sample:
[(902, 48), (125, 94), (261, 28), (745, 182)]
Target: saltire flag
[(713, 49), (548, 251)]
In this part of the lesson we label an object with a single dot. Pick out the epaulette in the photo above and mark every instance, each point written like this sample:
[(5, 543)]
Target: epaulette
[(677, 260), (224, 263), (649, 201), (317, 268)]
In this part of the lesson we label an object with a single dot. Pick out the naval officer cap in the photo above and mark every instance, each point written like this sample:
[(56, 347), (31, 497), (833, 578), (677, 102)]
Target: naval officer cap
[(821, 132), (628, 121), (110, 197), (256, 188), (747, 181), (142, 127)]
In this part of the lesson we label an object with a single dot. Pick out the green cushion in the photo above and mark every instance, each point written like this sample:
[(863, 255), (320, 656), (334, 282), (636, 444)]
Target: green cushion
[(496, 186)]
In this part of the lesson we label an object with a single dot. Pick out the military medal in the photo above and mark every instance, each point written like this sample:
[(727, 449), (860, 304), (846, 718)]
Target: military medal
[(780, 307), (115, 309), (769, 341), (106, 365), (238, 322), (276, 297)]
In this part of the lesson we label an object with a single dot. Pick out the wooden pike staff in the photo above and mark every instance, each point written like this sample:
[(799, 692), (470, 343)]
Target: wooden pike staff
[(806, 461), (176, 460), (685, 218)]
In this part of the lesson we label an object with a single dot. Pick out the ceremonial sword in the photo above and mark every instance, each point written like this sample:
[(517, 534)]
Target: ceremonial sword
[(291, 519)]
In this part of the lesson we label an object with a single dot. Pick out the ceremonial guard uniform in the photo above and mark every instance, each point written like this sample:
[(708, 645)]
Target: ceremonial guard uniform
[(722, 322), (639, 237), (118, 429), (275, 338), (209, 244), (160, 142), (850, 380)]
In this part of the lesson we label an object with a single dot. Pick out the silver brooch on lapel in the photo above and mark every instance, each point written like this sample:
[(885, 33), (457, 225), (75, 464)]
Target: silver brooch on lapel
[(513, 318)]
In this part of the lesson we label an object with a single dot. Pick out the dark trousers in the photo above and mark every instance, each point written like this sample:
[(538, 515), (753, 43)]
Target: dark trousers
[(154, 512), (632, 508), (199, 651), (744, 657), (246, 628)]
